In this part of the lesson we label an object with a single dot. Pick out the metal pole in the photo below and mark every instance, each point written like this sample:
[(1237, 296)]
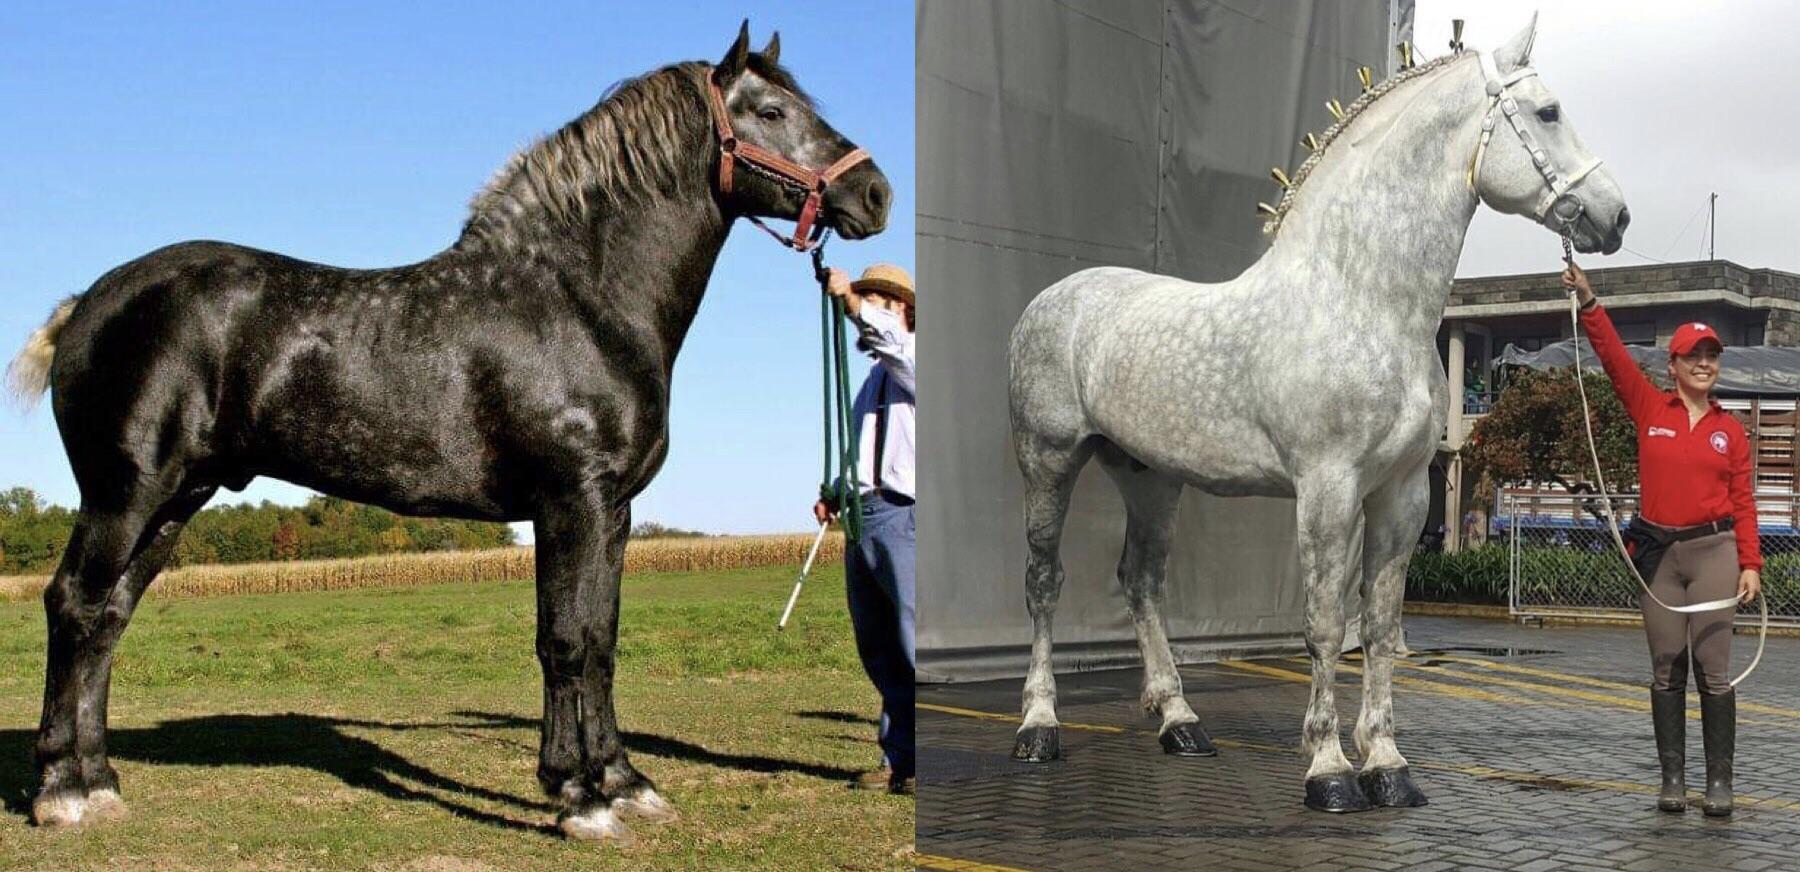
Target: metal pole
[(1712, 222)]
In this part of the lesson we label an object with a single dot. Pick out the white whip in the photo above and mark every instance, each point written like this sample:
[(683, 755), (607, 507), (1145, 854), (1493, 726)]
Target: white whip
[(1612, 523), (805, 568)]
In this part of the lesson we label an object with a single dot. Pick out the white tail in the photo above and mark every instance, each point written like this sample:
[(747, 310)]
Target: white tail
[(29, 373)]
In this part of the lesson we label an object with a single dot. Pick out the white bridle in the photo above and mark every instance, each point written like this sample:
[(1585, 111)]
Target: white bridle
[(1557, 201)]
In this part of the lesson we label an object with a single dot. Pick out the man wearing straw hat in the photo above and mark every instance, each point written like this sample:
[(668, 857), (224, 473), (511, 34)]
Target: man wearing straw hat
[(878, 568)]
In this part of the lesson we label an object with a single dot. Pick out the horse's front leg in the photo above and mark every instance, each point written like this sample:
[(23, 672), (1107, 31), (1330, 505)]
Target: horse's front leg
[(1327, 507), (1393, 515), (578, 593)]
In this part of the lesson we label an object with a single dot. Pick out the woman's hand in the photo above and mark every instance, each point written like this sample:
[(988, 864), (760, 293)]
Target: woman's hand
[(822, 511), (1575, 278), (837, 284), (1749, 585)]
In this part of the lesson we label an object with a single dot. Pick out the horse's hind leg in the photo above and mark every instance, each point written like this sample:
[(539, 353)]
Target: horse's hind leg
[(1326, 508), (111, 557), (1050, 469), (633, 794), (1394, 515), (1151, 500), (579, 537)]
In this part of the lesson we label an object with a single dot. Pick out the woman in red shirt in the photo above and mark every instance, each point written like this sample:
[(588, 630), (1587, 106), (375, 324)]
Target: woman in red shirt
[(1695, 493)]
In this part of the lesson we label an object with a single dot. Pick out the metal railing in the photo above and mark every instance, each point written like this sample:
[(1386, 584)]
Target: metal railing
[(1561, 561)]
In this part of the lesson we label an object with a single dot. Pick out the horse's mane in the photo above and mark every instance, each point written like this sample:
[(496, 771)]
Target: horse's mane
[(1351, 113), (636, 141)]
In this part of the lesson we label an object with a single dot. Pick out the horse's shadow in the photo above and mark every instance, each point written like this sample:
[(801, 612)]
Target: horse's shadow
[(325, 744)]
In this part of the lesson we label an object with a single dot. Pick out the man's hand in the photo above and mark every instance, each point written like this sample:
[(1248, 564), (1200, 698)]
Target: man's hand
[(837, 284), (1575, 278), (822, 512), (1749, 585)]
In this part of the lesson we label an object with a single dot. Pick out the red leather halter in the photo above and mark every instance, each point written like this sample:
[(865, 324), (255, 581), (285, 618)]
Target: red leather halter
[(782, 170)]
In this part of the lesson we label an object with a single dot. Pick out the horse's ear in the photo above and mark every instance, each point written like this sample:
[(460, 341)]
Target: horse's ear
[(772, 51), (737, 56), (1516, 52)]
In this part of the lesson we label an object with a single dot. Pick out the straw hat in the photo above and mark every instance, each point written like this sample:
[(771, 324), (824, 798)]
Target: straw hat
[(887, 280)]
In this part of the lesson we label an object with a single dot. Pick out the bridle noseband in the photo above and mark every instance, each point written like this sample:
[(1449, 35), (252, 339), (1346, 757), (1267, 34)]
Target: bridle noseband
[(777, 169), (1557, 201)]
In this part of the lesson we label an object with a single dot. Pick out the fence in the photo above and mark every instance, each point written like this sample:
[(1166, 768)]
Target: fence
[(1561, 561)]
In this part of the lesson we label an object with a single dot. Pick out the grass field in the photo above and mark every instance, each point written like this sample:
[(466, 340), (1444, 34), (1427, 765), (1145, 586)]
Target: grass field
[(396, 729)]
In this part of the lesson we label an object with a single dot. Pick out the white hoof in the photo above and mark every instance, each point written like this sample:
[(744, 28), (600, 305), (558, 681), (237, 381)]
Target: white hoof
[(646, 805), (598, 824), (64, 808), (106, 805)]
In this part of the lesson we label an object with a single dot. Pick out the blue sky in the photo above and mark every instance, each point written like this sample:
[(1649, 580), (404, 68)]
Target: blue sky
[(354, 134)]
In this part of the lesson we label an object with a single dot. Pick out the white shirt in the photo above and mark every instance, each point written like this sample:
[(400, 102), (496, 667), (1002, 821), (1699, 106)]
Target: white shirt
[(884, 333)]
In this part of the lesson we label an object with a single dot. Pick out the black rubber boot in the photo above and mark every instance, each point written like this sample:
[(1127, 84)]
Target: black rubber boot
[(1718, 726), (1668, 711)]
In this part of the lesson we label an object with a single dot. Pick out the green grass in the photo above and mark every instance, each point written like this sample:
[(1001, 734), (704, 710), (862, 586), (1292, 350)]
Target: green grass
[(397, 730)]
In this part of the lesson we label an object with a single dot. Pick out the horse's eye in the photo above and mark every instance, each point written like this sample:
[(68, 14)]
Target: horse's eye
[(771, 113), (1549, 115)]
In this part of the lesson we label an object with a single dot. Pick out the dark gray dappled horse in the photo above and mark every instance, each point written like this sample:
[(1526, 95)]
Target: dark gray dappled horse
[(522, 374), (1313, 375)]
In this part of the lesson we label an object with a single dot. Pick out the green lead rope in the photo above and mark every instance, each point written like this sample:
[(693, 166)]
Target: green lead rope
[(841, 490)]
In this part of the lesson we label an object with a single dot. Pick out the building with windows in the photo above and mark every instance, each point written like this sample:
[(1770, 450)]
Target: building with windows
[(1484, 315)]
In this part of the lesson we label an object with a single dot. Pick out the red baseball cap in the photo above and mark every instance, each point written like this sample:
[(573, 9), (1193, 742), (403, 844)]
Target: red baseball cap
[(1691, 334)]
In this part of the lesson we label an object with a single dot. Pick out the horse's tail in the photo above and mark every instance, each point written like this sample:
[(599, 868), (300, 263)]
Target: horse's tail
[(29, 373)]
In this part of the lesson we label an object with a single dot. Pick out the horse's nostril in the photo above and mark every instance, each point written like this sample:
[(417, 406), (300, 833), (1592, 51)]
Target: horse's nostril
[(1624, 219), (878, 196)]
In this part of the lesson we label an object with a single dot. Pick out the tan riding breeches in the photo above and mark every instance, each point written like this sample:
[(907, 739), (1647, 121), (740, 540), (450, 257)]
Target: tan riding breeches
[(1694, 571)]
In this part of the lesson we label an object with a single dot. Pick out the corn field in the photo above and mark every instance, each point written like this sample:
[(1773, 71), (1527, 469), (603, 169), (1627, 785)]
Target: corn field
[(494, 564)]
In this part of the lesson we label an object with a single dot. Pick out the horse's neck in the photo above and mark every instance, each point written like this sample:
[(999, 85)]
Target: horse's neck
[(651, 267), (637, 270), (1386, 210)]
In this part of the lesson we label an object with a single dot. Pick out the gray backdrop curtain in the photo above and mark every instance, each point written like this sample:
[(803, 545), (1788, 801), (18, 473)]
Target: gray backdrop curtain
[(1055, 135)]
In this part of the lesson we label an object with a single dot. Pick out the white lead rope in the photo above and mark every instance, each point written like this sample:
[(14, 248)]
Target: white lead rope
[(1612, 523)]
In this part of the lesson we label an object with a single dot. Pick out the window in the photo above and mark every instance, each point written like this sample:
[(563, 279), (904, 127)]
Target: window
[(1636, 332)]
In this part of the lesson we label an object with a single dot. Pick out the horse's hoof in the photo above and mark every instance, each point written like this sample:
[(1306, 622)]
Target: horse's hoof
[(1187, 740), (1336, 793), (645, 805), (105, 805), (597, 823), (1391, 788), (1037, 745), (59, 808)]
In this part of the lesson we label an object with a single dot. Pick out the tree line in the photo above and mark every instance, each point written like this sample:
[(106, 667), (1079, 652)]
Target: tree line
[(34, 533)]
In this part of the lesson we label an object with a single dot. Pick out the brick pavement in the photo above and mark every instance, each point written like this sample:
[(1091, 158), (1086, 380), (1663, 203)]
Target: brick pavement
[(1537, 754)]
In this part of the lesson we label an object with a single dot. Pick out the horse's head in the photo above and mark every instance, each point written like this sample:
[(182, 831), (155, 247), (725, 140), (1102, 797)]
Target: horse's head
[(768, 112), (1531, 162)]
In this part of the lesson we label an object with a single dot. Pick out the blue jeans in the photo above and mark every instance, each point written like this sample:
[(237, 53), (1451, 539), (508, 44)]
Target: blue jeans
[(879, 581)]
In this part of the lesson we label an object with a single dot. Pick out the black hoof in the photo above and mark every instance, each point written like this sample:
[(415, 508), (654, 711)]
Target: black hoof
[(1336, 794), (1037, 745), (1391, 788), (1187, 740)]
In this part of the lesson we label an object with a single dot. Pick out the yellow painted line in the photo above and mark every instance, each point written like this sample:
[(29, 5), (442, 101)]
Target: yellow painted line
[(1597, 682), (951, 864), (1420, 684), (992, 716)]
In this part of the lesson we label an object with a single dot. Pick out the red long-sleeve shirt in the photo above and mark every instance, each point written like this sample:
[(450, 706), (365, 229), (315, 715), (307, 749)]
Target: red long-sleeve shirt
[(1688, 475)]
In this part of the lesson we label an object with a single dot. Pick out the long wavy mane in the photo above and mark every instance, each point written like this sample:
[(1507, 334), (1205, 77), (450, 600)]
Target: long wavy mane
[(635, 141)]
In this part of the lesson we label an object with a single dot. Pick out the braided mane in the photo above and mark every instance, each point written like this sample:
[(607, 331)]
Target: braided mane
[(1351, 113)]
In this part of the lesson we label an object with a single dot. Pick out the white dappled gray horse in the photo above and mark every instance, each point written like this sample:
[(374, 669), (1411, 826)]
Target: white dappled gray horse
[(1313, 375)]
